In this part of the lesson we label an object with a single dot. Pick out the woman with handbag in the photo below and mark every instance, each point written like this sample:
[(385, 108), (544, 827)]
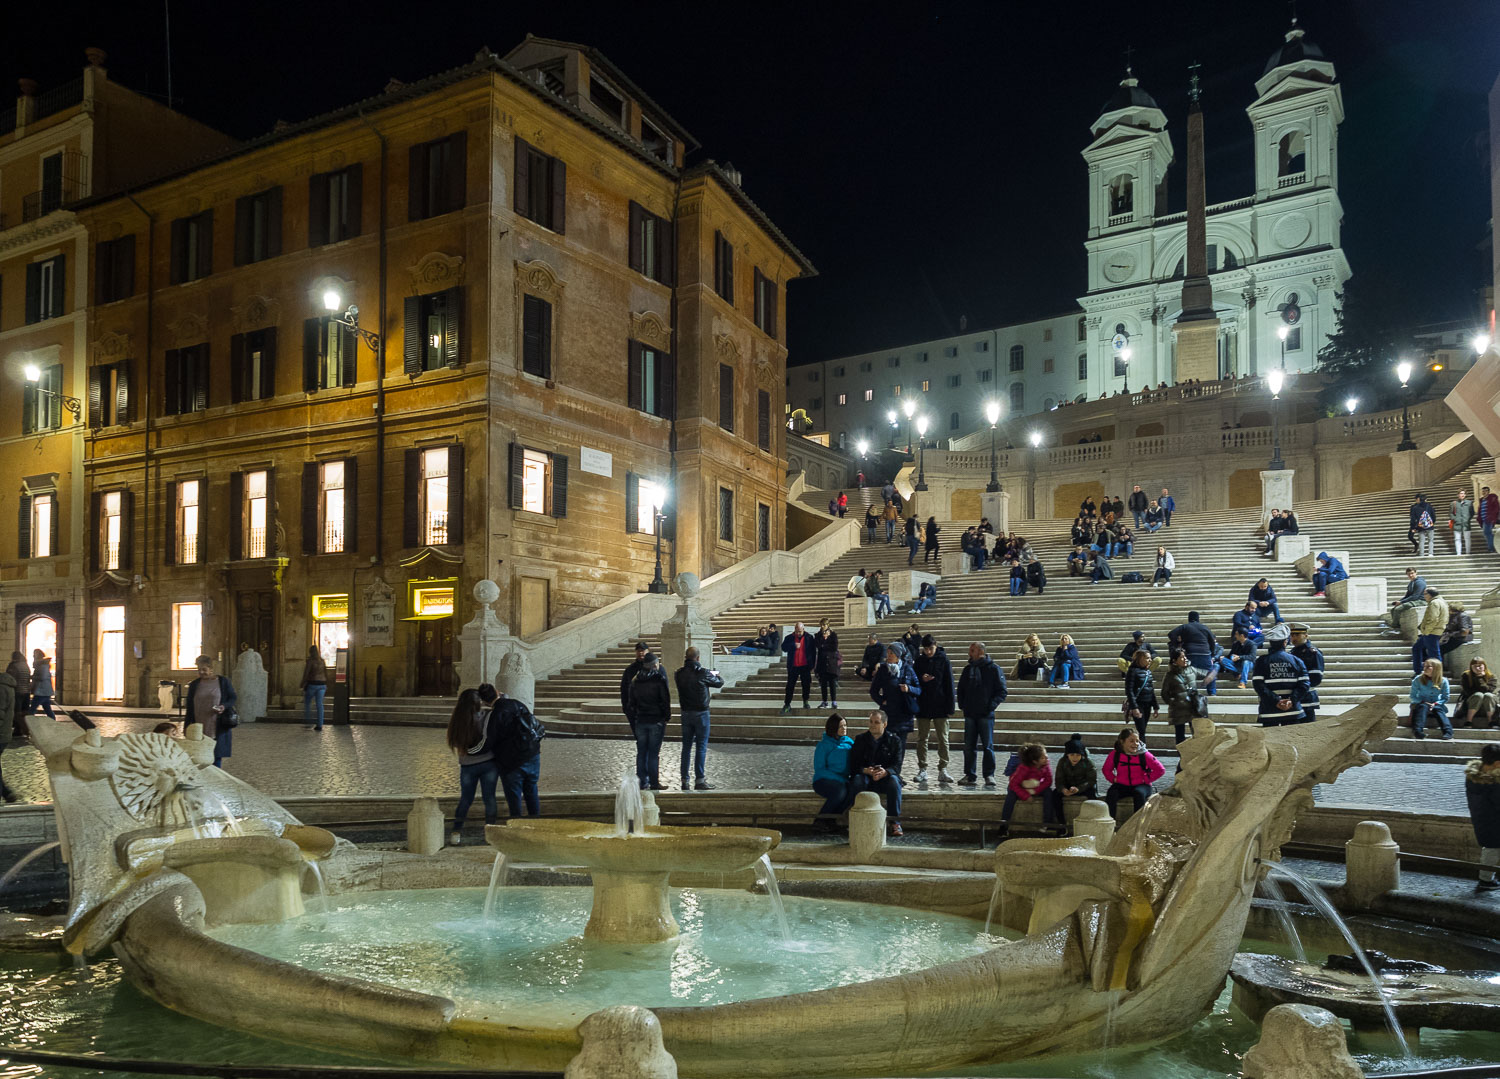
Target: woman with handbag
[(210, 701), (1180, 690)]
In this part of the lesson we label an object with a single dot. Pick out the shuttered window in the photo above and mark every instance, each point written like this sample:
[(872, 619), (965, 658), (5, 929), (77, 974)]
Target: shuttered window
[(185, 380), (541, 185), (192, 247), (329, 354), (45, 282), (765, 303), (334, 201), (762, 527), (114, 270), (726, 515), (330, 513), (536, 336), (434, 337), (36, 523), (763, 419), (41, 401), (538, 481), (726, 397), (252, 365), (435, 182), (109, 394), (112, 523), (724, 268), (653, 247), (642, 498), (434, 502), (257, 226), (252, 501), (185, 522), (648, 379)]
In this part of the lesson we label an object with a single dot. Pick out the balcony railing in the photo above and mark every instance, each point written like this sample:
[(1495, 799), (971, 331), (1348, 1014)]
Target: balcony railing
[(112, 555), (437, 528), (1121, 219), (187, 550), (1292, 180), (255, 545), (59, 98), (73, 185), (333, 537)]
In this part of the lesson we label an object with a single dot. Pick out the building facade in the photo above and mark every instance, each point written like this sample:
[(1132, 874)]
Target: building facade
[(563, 327), (1274, 259)]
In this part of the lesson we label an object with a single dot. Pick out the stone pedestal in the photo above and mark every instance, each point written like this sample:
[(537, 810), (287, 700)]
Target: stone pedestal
[(688, 628), (483, 640), (860, 612), (1299, 1041), (996, 506), (1409, 469), (1275, 492), (1094, 820), (1359, 595), (1197, 349), (424, 827), (866, 825), (166, 696), (1307, 565), (250, 685), (1372, 864), (623, 1042), (1410, 620), (1487, 618), (956, 563), (515, 679), (906, 583), (1292, 548)]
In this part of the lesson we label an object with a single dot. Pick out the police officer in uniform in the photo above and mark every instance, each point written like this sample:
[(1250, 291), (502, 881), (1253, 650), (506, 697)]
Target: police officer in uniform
[(1312, 658), (1280, 681)]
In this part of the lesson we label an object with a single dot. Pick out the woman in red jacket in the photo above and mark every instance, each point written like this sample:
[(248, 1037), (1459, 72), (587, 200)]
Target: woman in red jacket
[(1031, 779), (1130, 769)]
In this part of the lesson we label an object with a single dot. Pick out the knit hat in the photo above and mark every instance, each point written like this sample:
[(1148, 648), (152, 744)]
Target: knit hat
[(1075, 745)]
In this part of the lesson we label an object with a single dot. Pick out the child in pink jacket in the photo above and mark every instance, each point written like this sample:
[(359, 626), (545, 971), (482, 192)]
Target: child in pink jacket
[(1032, 778), (1130, 769)]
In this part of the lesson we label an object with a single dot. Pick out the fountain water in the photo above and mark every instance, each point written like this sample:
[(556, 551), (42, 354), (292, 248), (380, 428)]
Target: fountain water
[(1324, 906), (317, 873), (630, 815), (997, 900), (14, 871), (497, 881), (1284, 916), (231, 825), (765, 876)]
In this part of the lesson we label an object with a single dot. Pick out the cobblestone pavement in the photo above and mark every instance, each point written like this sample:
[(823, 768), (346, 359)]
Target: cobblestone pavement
[(283, 760)]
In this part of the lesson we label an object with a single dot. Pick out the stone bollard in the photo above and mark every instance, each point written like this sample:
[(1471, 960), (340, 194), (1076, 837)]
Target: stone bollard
[(1372, 863), (424, 827), (866, 825), (649, 809), (1094, 820), (1299, 1041), (623, 1042)]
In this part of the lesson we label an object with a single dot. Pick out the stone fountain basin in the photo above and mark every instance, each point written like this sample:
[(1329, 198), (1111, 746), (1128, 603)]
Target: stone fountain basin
[(658, 849)]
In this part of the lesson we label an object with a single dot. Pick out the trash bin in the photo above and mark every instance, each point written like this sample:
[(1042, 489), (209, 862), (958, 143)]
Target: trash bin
[(167, 692)]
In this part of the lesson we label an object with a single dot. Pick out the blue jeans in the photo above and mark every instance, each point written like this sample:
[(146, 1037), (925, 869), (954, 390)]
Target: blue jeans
[(1128, 547), (1427, 647), (872, 533), (1061, 671), (912, 544), (312, 696), (882, 605), (1162, 574), (1275, 610), (648, 738), (1489, 535), (483, 775), (1139, 516), (980, 556), (921, 605), (520, 787), (42, 702), (1239, 669), (890, 786), (1016, 584), (1011, 798), (749, 650), (1152, 526), (979, 734), (1422, 714), (1166, 516), (1204, 663), (694, 743), (890, 531), (837, 796), (1320, 580)]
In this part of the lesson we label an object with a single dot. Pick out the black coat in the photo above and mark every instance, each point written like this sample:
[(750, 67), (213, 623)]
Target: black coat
[(1483, 791), (631, 671), (900, 708), (867, 751), (1194, 638), (1139, 501), (874, 656), (828, 655), (810, 653), (650, 698), (937, 696), (981, 688), (694, 681)]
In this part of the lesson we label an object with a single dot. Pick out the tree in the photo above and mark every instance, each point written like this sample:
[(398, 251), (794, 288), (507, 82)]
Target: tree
[(1371, 333)]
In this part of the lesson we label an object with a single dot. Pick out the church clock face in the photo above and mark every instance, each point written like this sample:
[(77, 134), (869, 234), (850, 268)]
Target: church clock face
[(1119, 266)]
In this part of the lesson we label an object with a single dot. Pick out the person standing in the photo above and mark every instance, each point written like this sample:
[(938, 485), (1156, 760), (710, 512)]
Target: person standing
[(471, 735), (1179, 689), (891, 515), (1140, 692), (1200, 644), (650, 707), (518, 754), (1312, 658), (20, 670), (41, 684), (1423, 525), (1489, 514), (830, 662), (872, 522), (913, 540), (694, 687), (314, 686), (633, 669), (1280, 681), (1482, 791), (981, 689), (1138, 503), (875, 765), (831, 772), (801, 651), (1429, 701), (7, 725), (1131, 770), (1430, 630), (896, 692), (931, 548), (843, 504), (209, 698), (936, 704), (1168, 507), (1460, 519)]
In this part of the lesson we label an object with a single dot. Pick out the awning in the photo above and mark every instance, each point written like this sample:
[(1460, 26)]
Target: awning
[(426, 617)]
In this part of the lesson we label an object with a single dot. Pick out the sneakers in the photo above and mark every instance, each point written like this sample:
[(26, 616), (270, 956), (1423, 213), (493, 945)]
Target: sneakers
[(701, 785), (1063, 685), (455, 839), (989, 781), (1320, 595), (896, 829), (822, 704), (834, 705), (1448, 737), (11, 796), (943, 776), (1156, 584), (1167, 584), (786, 710), (921, 776), (969, 781), (805, 706)]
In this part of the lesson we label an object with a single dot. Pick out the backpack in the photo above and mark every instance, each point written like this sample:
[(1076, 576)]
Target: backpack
[(1424, 520), (1132, 578), (523, 733)]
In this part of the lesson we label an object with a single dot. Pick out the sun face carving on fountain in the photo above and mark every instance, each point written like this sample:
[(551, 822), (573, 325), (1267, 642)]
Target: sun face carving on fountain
[(154, 780)]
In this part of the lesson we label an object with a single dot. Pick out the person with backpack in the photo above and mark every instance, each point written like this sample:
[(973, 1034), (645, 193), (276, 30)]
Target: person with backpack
[(1423, 525), (651, 707), (472, 737), (518, 754), (1460, 519), (695, 685), (628, 676), (1131, 770), (1032, 778), (1489, 515), (935, 673)]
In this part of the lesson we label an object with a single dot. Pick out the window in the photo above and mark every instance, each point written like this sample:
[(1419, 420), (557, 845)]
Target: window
[(41, 401), (726, 397), (763, 418), (433, 331), (953, 421), (726, 515), (985, 376), (765, 303), (334, 201), (951, 351), (43, 532), (1017, 398), (186, 531), (648, 373), (926, 385), (762, 527), (540, 184), (1121, 196), (192, 247), (44, 289), (331, 624), (435, 496), (109, 530), (331, 518), (109, 394), (252, 365), (1049, 404), (814, 376), (604, 98), (1294, 339), (921, 357), (1291, 154), (257, 226), (981, 346), (1017, 358), (114, 270), (1121, 365), (187, 635), (843, 398), (1083, 366), (838, 372), (435, 182), (536, 336), (112, 653), (1047, 333), (894, 361), (538, 481), (642, 499), (954, 381), (657, 142), (255, 514), (433, 512), (1047, 366), (1213, 257), (185, 380), (1083, 329), (896, 390), (52, 183), (653, 248), (724, 268), (111, 515), (330, 353), (866, 367), (817, 403), (869, 395)]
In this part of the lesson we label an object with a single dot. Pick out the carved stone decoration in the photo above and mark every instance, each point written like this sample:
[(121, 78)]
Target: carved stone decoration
[(152, 777), (540, 278), (190, 329), (109, 346), (435, 270), (649, 328), (726, 348), (257, 312)]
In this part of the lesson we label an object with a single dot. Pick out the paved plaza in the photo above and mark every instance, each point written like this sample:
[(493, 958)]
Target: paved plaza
[(285, 760)]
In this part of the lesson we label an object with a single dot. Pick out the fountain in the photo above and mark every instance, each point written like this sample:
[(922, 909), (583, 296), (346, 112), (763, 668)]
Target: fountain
[(1127, 940)]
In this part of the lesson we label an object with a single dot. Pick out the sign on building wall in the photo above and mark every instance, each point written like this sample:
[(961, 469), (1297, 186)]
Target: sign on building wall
[(380, 615), (596, 461)]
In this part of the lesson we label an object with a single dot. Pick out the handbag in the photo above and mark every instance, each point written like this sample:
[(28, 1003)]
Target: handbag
[(1200, 704), (228, 719)]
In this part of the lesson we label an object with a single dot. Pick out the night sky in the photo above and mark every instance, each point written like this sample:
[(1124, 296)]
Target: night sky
[(925, 157)]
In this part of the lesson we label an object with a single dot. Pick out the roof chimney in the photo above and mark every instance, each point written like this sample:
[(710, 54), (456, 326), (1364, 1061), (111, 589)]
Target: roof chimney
[(26, 103), (733, 174), (96, 57)]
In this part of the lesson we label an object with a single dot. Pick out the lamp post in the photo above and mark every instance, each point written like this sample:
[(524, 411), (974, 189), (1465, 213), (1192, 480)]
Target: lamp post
[(863, 446), (1351, 404), (907, 408), (1403, 372), (332, 301), (891, 438), (1125, 354), (992, 413), (1274, 381), (1481, 343), (921, 453), (33, 375), (1282, 331), (658, 500), (1036, 440)]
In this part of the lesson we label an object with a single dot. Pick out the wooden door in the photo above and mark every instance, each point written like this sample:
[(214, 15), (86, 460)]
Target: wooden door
[(254, 628), (435, 658), (536, 614)]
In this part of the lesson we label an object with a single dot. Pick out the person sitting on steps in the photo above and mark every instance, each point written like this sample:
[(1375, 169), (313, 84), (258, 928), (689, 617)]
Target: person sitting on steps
[(875, 765)]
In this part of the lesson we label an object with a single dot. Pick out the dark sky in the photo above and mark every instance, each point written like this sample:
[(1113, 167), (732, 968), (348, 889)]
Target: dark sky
[(924, 156)]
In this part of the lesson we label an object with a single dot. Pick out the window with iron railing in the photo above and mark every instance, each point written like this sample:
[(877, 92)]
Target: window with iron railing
[(332, 483), (187, 522), (435, 497), (110, 530), (64, 180), (256, 514)]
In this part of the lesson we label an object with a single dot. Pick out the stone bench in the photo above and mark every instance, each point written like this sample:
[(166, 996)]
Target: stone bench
[(859, 611), (1308, 563), (956, 563), (1290, 548), (1359, 595), (906, 584)]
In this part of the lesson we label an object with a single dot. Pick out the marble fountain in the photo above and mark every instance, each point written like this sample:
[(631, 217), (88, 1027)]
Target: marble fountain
[(200, 885)]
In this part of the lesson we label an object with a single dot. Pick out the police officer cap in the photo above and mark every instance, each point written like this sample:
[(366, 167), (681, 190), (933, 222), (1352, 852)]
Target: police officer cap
[(1299, 627), (1278, 633)]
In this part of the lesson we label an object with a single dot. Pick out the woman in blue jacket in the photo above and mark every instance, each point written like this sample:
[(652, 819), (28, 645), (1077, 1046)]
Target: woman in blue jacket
[(1065, 663), (1429, 700), (831, 772)]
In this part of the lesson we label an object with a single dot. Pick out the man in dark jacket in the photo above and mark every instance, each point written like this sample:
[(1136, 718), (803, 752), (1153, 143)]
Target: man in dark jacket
[(896, 692), (1138, 643), (628, 677), (935, 705), (650, 708), (1102, 570), (1312, 658), (801, 649), (875, 765), (1137, 504), (1416, 587), (1036, 576), (1482, 790), (981, 689), (1264, 598), (1198, 641), (1280, 681), (1423, 525), (873, 657), (1488, 509), (694, 683)]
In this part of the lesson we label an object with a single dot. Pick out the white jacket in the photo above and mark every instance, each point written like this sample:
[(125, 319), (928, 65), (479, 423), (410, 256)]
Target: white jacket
[(1166, 561), (856, 585)]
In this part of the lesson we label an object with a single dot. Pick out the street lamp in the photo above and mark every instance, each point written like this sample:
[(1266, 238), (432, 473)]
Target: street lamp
[(1351, 404), (1274, 381), (1282, 331), (1481, 343), (1403, 372), (992, 413), (891, 440), (908, 407), (332, 301), (1036, 439), (863, 446), (658, 500), (1125, 354), (921, 453), (33, 375)]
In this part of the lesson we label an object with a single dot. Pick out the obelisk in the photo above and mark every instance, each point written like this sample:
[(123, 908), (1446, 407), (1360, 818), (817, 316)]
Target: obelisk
[(1197, 328)]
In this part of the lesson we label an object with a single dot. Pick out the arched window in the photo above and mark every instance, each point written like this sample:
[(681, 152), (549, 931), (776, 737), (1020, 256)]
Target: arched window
[(1120, 330), (1230, 262), (1017, 398), (1049, 404), (1121, 195), (1177, 271), (1017, 358), (1291, 154), (953, 422)]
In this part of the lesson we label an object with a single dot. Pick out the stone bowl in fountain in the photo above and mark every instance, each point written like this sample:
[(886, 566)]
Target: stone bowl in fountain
[(630, 870)]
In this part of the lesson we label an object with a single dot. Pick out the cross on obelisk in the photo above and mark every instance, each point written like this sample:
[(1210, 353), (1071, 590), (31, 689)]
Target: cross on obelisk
[(1129, 52)]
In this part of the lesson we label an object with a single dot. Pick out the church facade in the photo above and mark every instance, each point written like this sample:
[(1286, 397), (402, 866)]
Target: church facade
[(1275, 265)]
